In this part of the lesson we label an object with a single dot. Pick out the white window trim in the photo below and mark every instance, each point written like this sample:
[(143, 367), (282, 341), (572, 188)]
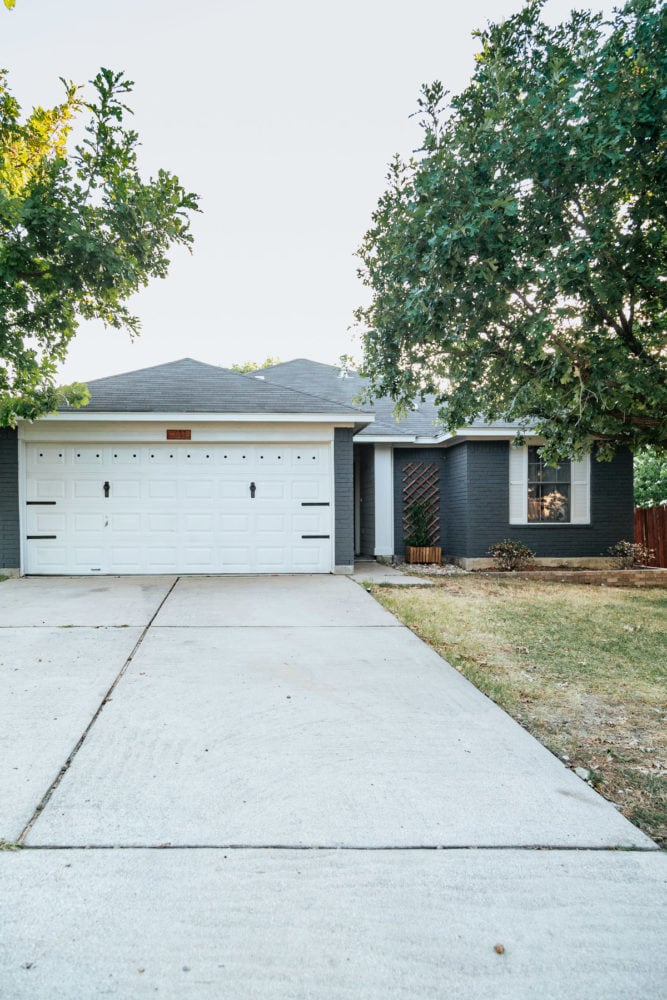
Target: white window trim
[(580, 490)]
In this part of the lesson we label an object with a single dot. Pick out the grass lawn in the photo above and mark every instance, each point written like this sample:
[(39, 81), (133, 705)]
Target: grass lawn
[(582, 668)]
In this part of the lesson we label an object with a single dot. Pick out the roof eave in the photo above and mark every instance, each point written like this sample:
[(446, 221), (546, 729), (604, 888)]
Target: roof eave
[(183, 416)]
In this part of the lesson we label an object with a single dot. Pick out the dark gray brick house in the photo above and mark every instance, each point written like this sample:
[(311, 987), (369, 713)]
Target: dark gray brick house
[(189, 468)]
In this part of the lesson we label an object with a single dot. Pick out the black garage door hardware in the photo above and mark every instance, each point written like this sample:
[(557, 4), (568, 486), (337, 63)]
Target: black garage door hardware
[(316, 536), (40, 503), (312, 503), (40, 537)]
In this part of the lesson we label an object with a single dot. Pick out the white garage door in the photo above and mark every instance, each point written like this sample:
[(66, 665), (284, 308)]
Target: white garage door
[(190, 508)]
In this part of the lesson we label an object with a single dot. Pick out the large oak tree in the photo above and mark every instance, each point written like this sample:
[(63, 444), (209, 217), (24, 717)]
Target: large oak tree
[(517, 262), (80, 233)]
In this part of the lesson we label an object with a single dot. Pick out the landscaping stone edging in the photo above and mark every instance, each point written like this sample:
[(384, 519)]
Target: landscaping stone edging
[(649, 577)]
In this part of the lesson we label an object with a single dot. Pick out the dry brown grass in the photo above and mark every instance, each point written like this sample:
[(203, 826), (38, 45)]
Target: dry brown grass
[(584, 669)]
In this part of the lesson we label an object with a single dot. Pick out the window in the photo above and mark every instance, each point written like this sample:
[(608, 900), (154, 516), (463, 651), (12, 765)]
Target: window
[(545, 494), (548, 488)]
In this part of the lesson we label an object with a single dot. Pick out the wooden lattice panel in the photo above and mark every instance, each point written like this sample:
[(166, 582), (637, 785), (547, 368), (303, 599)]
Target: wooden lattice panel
[(421, 483)]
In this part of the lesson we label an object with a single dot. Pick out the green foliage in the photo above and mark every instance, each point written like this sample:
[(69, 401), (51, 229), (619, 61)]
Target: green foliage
[(517, 262), (650, 477), (629, 554), (252, 366), (511, 554), (419, 525), (80, 233)]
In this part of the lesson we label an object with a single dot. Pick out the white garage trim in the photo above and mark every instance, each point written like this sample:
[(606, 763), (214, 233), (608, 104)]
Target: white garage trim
[(218, 506), (156, 430)]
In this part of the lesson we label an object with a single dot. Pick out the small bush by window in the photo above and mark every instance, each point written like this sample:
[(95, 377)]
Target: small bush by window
[(628, 554), (511, 554)]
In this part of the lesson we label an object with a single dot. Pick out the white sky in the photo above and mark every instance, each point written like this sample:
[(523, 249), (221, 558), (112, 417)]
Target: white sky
[(283, 116)]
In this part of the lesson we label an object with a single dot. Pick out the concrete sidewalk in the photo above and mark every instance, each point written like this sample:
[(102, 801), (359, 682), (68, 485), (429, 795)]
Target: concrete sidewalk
[(267, 787)]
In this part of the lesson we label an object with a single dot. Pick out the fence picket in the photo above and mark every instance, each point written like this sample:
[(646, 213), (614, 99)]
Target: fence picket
[(651, 531)]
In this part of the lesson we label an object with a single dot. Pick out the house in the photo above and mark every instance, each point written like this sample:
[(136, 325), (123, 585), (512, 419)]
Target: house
[(190, 468)]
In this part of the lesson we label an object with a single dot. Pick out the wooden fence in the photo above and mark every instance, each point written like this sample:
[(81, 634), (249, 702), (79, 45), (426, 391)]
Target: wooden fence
[(651, 531)]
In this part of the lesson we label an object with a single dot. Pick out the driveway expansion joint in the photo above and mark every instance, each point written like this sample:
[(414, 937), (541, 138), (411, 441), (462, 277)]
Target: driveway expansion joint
[(378, 848), (68, 763)]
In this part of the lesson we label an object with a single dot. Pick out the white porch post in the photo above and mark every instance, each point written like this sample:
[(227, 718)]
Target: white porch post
[(384, 500)]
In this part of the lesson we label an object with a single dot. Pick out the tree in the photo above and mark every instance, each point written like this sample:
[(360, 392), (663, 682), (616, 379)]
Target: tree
[(79, 234), (650, 477), (252, 366), (517, 261)]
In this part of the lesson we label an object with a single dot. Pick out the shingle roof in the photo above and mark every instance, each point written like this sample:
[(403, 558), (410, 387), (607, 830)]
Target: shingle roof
[(326, 381), (189, 386)]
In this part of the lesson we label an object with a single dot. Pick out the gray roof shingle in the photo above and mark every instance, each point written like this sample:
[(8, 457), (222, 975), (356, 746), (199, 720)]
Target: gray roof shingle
[(189, 386), (326, 381)]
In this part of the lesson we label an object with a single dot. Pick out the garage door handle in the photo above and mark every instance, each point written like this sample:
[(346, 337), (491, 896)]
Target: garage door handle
[(252, 491), (106, 488)]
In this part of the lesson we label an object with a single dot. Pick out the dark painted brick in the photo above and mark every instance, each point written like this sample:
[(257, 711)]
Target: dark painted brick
[(403, 457), (488, 510), (9, 499), (365, 456), (344, 477)]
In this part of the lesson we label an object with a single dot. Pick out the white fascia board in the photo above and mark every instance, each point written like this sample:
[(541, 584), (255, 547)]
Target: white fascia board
[(384, 439), (485, 433), (341, 420)]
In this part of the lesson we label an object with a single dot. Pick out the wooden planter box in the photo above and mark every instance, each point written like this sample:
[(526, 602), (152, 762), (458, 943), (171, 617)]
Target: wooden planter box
[(423, 554)]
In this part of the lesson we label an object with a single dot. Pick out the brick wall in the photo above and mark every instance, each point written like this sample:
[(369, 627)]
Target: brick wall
[(366, 470), (488, 508), (403, 457), (9, 499), (344, 487)]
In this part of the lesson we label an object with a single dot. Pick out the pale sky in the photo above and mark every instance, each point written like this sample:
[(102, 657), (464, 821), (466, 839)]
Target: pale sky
[(283, 117)]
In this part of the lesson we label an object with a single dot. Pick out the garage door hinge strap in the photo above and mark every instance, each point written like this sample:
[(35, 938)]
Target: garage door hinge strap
[(310, 503), (316, 536), (40, 503)]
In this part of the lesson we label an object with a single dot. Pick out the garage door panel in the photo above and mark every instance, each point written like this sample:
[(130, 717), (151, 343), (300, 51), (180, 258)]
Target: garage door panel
[(125, 456), (271, 522), (89, 522), (90, 555), (268, 490), (173, 510), (203, 489), (125, 522), (162, 522), (88, 456), (308, 489), (51, 556), (311, 558), (46, 523), (125, 559), (125, 489), (88, 489), (46, 489), (160, 489), (46, 455), (199, 522)]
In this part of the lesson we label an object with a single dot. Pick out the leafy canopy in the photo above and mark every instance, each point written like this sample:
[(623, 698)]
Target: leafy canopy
[(517, 262), (650, 477), (252, 366), (79, 234)]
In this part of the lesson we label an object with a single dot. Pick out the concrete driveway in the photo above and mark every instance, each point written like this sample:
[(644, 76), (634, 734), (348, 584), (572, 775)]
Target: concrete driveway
[(267, 787)]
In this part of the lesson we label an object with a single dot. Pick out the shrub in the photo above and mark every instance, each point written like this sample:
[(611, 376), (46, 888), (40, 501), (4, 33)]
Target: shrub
[(629, 554), (510, 554), (419, 528)]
